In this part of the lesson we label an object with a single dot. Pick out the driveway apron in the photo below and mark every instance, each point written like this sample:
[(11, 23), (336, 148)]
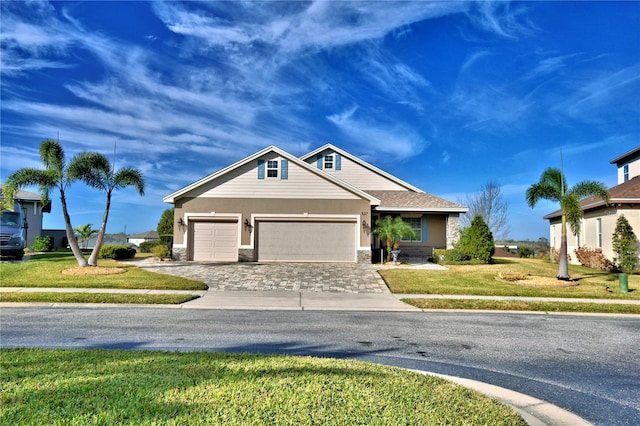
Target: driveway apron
[(302, 277)]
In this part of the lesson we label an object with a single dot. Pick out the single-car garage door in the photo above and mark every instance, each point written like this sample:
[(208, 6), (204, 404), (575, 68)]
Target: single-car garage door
[(307, 241), (215, 241)]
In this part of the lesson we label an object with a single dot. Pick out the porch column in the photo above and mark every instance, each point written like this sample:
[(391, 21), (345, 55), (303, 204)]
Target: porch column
[(453, 229)]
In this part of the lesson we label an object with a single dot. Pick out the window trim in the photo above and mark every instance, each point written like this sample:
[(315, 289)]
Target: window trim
[(417, 230), (599, 233), (273, 169), (328, 162)]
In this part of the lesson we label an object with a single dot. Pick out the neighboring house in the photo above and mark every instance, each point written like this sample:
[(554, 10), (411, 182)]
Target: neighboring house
[(273, 206), (142, 237), (32, 211), (599, 220)]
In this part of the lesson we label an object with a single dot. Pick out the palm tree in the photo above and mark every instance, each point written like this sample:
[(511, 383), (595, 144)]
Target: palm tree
[(96, 171), (56, 174), (392, 230), (85, 232), (553, 186)]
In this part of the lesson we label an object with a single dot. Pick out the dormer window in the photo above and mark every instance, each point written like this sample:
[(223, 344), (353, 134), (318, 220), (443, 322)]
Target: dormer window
[(328, 162), (272, 168)]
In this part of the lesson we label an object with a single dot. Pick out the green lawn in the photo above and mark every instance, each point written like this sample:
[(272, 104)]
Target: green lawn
[(45, 270), (79, 387), (54, 297), (481, 280), (517, 305)]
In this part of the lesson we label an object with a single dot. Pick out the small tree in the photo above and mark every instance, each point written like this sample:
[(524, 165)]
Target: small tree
[(476, 241), (392, 230), (625, 245), (165, 227), (85, 233)]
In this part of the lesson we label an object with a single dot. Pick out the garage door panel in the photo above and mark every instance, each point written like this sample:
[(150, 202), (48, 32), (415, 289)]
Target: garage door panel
[(307, 241), (215, 241)]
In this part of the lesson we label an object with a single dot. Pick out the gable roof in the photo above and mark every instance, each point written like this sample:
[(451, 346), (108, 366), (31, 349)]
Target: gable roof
[(415, 202), (626, 193), (362, 163), (28, 196), (177, 194)]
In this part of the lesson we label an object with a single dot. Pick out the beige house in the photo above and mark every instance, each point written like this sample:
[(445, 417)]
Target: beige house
[(32, 212), (273, 206), (599, 220)]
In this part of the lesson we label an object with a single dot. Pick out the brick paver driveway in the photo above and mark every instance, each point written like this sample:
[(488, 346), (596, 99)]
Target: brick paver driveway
[(311, 277)]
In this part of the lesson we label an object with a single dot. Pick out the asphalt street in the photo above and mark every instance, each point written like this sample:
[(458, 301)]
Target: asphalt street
[(586, 364)]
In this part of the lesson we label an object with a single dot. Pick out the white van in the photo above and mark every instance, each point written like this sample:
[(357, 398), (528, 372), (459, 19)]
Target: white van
[(11, 233)]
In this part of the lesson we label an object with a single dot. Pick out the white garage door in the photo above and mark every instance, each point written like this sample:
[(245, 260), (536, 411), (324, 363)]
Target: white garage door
[(307, 241), (215, 241)]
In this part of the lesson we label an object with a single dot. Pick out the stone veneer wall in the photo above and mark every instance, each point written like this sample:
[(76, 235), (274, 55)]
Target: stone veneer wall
[(245, 255), (453, 229), (364, 256), (179, 253)]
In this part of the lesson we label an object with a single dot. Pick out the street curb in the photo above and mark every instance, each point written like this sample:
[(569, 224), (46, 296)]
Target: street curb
[(534, 411)]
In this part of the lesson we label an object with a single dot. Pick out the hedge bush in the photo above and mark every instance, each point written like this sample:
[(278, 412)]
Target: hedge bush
[(161, 251), (116, 252), (42, 244), (147, 246), (594, 259)]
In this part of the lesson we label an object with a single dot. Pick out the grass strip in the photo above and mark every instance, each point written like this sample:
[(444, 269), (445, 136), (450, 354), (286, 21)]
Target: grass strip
[(81, 387), (513, 305), (480, 280), (45, 270), (53, 297)]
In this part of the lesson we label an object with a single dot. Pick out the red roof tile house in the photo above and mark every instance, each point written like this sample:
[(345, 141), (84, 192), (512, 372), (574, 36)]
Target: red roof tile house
[(599, 220), (273, 206)]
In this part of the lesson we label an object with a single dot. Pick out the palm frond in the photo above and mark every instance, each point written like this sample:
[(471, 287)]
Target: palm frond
[(52, 155), (128, 176), (572, 211), (92, 168), (589, 188)]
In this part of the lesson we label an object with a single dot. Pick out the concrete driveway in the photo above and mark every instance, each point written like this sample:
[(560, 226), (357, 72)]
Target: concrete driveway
[(299, 277)]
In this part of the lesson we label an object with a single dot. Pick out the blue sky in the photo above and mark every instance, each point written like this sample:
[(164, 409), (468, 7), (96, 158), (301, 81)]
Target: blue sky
[(445, 95)]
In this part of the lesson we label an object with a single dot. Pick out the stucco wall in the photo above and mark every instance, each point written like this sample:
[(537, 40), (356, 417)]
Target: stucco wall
[(247, 207), (589, 230)]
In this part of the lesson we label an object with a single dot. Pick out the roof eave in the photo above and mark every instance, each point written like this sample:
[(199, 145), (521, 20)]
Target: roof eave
[(423, 209), (362, 163)]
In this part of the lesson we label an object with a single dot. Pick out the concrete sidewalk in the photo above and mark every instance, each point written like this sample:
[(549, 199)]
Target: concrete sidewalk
[(301, 300)]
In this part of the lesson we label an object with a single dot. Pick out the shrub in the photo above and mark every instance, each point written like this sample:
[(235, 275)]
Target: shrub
[(554, 256), (476, 241), (525, 252), (147, 246), (593, 258), (115, 252), (161, 251), (625, 245), (42, 244), (438, 254), (455, 255)]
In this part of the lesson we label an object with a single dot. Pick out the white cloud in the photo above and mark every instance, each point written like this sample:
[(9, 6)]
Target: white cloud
[(395, 141)]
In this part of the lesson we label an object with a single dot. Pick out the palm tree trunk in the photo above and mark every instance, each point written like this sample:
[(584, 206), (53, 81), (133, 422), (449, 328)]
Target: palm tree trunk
[(563, 267), (93, 259), (71, 236)]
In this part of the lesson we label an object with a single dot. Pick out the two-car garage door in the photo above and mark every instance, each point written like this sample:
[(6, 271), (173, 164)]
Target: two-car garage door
[(215, 241), (284, 240), (306, 241)]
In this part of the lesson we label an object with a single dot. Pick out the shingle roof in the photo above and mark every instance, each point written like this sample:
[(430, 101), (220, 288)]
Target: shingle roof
[(414, 201), (147, 234), (28, 196), (626, 193)]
